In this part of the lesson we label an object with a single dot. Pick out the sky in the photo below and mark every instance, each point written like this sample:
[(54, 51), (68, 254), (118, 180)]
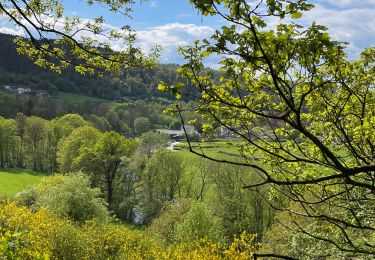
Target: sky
[(172, 23)]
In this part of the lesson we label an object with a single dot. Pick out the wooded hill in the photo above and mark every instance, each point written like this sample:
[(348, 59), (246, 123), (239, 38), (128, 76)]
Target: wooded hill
[(17, 70)]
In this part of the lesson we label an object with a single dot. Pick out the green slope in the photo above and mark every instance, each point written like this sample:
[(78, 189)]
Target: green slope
[(13, 181), (77, 98)]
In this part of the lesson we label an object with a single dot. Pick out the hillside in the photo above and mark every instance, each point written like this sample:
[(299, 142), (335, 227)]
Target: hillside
[(17, 70)]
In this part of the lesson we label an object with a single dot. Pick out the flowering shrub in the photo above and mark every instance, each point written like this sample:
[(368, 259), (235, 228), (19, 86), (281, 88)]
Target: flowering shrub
[(42, 235), (68, 196)]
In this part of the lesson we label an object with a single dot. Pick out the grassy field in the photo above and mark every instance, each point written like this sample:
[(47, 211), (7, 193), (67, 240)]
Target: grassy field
[(217, 149), (13, 181), (71, 97), (76, 98)]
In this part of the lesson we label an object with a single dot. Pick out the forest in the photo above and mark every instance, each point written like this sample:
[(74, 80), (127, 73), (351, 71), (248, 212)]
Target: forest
[(132, 83), (292, 178)]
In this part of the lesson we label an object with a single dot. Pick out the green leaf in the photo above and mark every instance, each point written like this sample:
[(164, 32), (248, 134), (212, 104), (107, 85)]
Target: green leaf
[(296, 15), (162, 86)]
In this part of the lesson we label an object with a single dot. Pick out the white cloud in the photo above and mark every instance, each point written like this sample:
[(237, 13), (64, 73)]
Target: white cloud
[(170, 36), (8, 27), (11, 31), (355, 25)]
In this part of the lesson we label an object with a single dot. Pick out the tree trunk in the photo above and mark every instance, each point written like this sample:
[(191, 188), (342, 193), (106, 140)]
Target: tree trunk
[(109, 191)]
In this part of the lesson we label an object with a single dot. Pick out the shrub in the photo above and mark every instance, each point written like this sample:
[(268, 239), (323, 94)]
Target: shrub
[(175, 125), (67, 196), (163, 228), (42, 235), (142, 125), (199, 223)]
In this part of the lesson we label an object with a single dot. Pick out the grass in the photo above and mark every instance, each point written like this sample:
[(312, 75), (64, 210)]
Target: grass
[(13, 181), (4, 93), (75, 98), (217, 149)]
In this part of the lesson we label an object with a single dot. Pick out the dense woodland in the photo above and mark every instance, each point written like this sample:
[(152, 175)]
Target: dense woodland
[(17, 70), (131, 117)]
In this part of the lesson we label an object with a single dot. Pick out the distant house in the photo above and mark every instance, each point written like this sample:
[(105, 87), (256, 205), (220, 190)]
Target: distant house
[(22, 91), (173, 134), (8, 88), (178, 134)]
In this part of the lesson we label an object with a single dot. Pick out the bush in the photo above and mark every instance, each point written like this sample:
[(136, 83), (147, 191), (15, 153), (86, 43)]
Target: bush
[(163, 228), (142, 125), (27, 197), (186, 221), (42, 235), (199, 223), (67, 196), (28, 235), (175, 125)]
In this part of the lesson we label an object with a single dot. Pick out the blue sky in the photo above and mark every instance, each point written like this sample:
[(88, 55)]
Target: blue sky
[(147, 14), (175, 22)]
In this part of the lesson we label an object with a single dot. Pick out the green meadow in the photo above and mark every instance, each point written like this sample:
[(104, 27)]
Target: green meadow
[(13, 181)]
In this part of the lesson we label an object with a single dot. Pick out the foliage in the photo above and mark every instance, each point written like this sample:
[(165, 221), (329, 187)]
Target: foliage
[(240, 209), (199, 222), (41, 235), (35, 132), (8, 143), (44, 234), (70, 122), (70, 197), (303, 112), (70, 147), (105, 159), (197, 180), (282, 238), (142, 125), (159, 182), (164, 228)]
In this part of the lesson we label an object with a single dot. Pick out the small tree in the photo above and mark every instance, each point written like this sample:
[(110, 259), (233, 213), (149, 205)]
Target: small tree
[(35, 142), (159, 182), (199, 223), (164, 228), (104, 160), (71, 197), (142, 125), (69, 148), (175, 125)]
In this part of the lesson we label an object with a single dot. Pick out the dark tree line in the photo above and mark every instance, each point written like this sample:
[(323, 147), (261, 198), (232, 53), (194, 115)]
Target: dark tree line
[(137, 83)]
